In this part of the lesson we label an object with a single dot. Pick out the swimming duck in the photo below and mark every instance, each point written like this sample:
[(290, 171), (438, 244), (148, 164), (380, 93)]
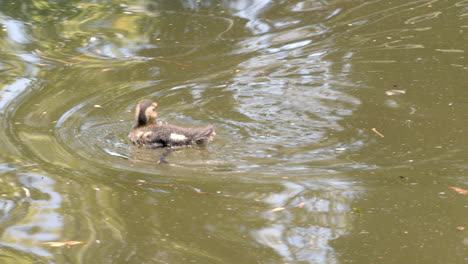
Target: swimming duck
[(148, 132)]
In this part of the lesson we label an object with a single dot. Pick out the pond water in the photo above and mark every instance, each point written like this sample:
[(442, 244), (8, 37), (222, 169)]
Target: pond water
[(313, 161)]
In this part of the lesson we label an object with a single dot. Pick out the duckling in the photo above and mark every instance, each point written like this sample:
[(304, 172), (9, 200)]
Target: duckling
[(148, 132)]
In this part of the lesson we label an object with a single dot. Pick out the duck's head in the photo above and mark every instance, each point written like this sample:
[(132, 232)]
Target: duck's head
[(145, 113)]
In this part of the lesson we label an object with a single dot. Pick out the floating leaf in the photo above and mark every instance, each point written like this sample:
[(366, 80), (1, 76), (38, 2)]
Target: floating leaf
[(55, 244), (197, 190), (460, 191), (68, 244), (278, 209), (395, 92)]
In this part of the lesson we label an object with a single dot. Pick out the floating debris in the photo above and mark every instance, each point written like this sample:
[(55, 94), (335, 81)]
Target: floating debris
[(278, 209), (459, 190), (395, 92), (68, 244), (377, 132)]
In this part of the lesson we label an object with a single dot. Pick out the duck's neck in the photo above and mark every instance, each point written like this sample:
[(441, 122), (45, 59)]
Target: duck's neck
[(142, 122), (142, 119)]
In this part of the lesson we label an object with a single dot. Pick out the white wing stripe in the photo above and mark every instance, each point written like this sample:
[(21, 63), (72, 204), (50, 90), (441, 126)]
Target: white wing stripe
[(177, 137)]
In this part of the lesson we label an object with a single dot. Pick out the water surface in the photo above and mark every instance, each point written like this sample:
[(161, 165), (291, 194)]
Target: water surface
[(295, 88)]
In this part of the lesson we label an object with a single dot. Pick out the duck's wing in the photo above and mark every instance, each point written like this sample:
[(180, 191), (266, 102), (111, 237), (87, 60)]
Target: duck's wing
[(175, 135), (170, 135), (152, 136)]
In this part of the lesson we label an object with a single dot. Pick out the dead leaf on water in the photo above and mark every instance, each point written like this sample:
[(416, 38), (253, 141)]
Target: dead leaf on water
[(278, 209), (459, 190), (68, 244)]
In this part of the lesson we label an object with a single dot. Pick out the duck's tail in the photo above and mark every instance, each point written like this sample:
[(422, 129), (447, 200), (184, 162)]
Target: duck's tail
[(205, 134)]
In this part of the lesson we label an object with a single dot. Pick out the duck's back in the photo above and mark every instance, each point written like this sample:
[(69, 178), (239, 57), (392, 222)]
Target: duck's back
[(170, 135)]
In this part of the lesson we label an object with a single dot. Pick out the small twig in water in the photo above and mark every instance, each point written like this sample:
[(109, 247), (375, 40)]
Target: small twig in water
[(40, 54), (377, 132), (175, 185), (76, 57), (176, 63)]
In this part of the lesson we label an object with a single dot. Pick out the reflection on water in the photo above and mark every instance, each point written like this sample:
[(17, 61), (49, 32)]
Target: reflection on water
[(31, 214), (296, 174)]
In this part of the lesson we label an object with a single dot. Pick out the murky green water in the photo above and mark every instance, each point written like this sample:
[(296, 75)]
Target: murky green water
[(296, 174)]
